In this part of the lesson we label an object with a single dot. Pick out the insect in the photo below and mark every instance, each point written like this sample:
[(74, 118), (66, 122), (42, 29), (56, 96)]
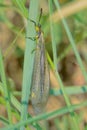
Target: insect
[(40, 78)]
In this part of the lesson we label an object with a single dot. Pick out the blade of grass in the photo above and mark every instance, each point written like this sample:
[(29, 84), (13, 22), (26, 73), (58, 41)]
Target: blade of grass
[(72, 42), (72, 90), (4, 120), (15, 8), (50, 61), (12, 44), (72, 114), (6, 92), (69, 9), (21, 6), (44, 116), (17, 105), (28, 59)]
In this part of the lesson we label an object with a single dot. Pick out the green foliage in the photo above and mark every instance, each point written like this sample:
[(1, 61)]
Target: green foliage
[(53, 34)]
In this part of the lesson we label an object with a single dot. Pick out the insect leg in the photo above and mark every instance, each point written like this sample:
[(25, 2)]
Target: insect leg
[(32, 38)]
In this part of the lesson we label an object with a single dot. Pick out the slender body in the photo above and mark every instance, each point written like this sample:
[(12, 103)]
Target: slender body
[(40, 78)]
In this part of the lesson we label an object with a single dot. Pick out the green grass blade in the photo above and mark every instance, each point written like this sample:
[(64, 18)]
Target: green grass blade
[(44, 116), (75, 121), (21, 6), (28, 59), (4, 120), (70, 90), (6, 92), (72, 42), (17, 105)]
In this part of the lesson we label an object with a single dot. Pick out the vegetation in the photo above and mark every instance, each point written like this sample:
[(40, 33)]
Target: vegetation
[(64, 24)]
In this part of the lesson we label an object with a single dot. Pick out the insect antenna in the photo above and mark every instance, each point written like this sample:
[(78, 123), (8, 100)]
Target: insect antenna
[(41, 11)]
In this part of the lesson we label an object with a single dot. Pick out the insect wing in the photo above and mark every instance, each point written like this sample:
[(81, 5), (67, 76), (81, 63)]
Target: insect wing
[(40, 78)]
